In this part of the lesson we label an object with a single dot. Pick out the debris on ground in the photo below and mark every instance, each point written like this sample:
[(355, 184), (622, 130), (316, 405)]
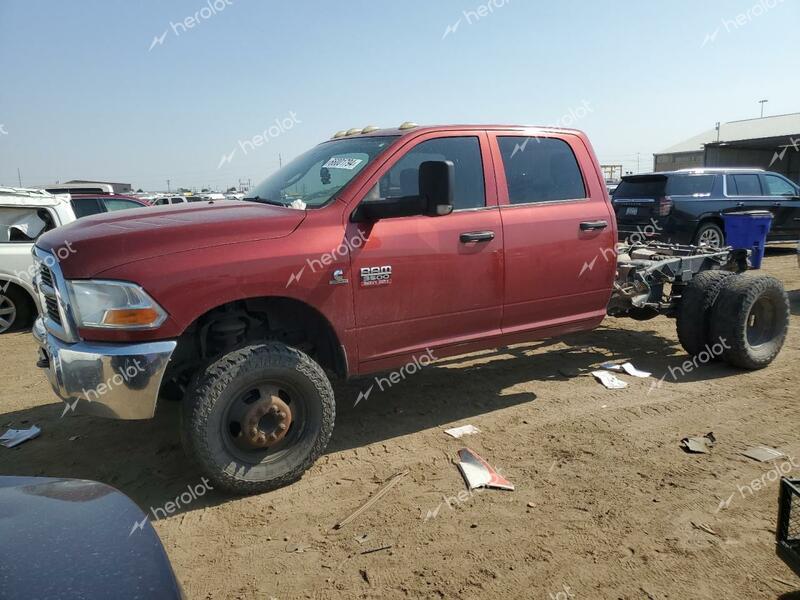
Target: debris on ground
[(626, 368), (763, 453), (703, 527), (364, 575), (459, 432), (611, 381), (14, 437), (362, 538), (477, 472), (699, 445), (377, 549), (394, 480), (296, 548)]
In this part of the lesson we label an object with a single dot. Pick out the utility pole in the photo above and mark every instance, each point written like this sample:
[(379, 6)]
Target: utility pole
[(19, 177), (762, 103), (638, 166), (168, 189), (280, 160)]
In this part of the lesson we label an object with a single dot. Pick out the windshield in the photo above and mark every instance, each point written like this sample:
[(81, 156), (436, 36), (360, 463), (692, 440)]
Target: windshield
[(314, 178)]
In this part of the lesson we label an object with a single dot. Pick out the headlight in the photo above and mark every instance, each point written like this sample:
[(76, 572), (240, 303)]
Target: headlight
[(114, 305)]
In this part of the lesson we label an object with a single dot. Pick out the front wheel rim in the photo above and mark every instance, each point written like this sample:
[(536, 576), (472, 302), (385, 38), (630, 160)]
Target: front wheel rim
[(240, 411), (762, 323), (8, 313)]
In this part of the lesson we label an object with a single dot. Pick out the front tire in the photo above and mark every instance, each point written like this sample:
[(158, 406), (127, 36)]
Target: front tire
[(751, 320), (258, 418)]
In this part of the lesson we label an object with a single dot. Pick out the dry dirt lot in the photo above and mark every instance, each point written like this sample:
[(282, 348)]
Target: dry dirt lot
[(607, 505)]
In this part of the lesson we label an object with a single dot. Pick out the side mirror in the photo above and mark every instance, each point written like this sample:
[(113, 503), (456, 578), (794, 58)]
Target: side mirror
[(435, 199), (436, 187)]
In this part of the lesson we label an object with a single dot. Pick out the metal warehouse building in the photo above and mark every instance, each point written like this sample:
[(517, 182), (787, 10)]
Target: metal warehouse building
[(771, 143)]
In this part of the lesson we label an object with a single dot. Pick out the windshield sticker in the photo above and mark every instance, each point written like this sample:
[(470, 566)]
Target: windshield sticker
[(342, 163)]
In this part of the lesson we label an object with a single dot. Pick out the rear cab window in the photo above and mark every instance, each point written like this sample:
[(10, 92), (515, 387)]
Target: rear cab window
[(540, 169)]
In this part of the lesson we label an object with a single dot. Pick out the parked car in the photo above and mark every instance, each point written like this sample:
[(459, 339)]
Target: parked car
[(75, 539), (373, 251), (166, 200), (25, 214), (686, 207), (93, 204)]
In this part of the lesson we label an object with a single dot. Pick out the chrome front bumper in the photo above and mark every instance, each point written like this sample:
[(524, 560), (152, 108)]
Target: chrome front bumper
[(119, 381)]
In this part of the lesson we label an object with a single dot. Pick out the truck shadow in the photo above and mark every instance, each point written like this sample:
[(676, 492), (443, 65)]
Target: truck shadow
[(427, 399), (144, 459)]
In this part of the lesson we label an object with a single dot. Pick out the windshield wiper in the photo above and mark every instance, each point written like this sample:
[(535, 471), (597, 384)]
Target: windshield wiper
[(266, 201)]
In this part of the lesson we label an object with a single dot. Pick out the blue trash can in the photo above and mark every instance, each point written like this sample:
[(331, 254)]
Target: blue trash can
[(748, 230)]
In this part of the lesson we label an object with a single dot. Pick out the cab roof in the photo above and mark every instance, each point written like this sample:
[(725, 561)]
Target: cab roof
[(418, 129), (30, 197)]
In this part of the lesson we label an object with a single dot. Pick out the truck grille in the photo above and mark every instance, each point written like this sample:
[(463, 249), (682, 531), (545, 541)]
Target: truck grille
[(46, 275), (52, 296), (51, 305)]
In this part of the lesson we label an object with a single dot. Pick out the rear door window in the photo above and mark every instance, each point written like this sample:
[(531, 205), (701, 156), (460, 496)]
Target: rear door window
[(540, 170), (84, 207), (744, 185)]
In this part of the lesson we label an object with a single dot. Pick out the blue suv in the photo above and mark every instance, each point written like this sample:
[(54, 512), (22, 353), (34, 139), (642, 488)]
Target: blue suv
[(686, 207)]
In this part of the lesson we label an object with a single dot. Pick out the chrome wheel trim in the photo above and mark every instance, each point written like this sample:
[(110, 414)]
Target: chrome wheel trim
[(8, 313), (710, 237)]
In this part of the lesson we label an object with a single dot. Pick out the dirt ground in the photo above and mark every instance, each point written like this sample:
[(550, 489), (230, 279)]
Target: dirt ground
[(606, 505)]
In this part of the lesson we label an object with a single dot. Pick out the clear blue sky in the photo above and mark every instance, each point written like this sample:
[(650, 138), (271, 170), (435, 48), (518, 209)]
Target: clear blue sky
[(82, 95)]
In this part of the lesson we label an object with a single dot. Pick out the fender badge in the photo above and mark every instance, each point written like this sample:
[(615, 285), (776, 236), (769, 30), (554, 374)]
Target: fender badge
[(338, 278)]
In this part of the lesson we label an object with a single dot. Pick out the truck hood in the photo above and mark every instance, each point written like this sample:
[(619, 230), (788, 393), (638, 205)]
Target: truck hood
[(95, 244)]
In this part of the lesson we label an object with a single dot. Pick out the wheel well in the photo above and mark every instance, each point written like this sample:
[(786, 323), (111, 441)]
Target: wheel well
[(256, 319), (715, 220), (6, 285)]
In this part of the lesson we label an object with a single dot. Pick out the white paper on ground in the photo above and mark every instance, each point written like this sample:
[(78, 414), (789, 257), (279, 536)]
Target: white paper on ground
[(14, 437), (763, 453), (459, 432), (609, 380), (634, 372), (626, 367), (609, 366)]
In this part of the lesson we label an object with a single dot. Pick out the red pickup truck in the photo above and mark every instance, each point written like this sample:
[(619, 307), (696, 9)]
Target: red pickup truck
[(371, 250)]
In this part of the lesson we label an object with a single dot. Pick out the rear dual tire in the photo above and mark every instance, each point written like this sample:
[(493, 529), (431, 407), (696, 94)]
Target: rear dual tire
[(742, 319), (751, 320)]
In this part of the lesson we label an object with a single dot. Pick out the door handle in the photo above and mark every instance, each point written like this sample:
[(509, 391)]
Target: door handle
[(777, 204), (476, 236), (740, 205), (593, 225)]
